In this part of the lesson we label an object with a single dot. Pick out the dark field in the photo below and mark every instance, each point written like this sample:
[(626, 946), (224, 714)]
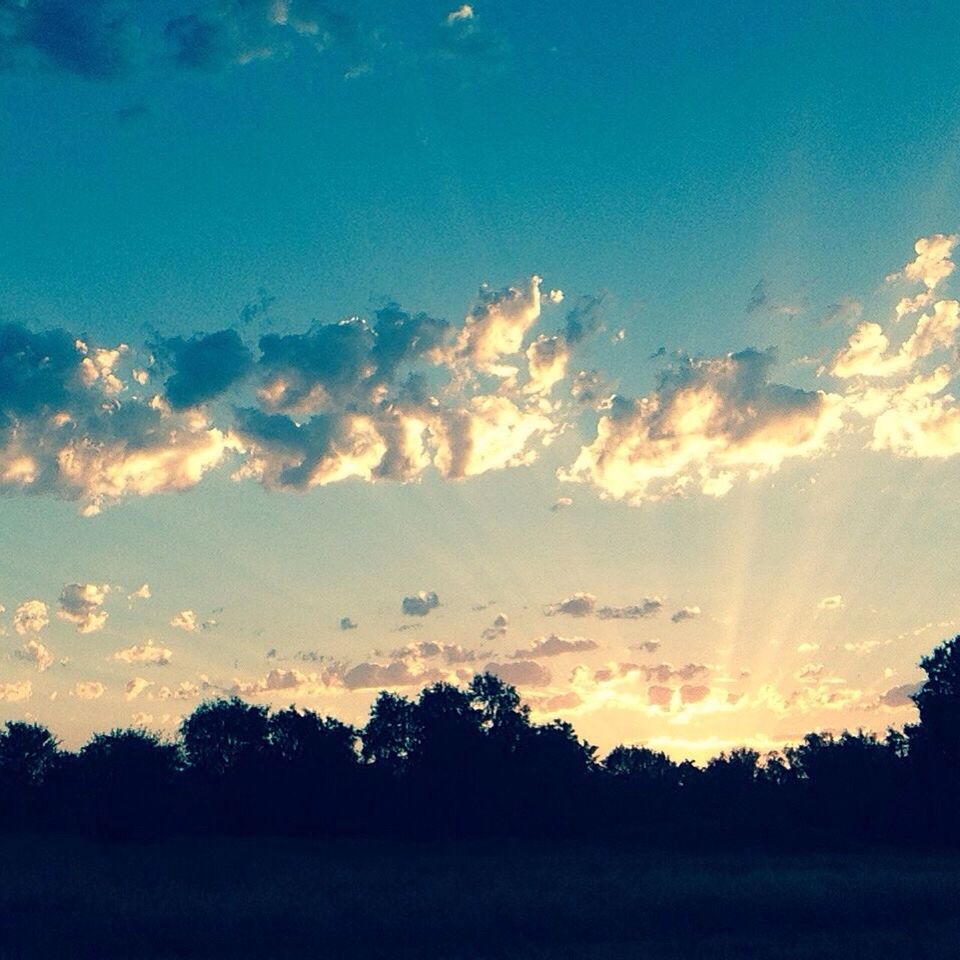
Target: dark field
[(281, 898)]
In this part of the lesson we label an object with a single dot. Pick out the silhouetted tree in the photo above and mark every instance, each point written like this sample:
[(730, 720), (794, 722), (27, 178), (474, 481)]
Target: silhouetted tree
[(313, 771), (220, 734), (469, 762), (392, 733), (29, 759), (936, 740), (28, 754), (127, 779)]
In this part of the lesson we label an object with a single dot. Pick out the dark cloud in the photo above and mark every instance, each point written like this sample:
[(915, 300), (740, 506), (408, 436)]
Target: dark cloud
[(224, 33), (901, 696), (584, 318), (686, 613), (647, 646), (204, 366), (373, 675), (347, 624), (577, 605), (520, 673), (585, 605), (846, 310), (664, 672), (647, 607), (498, 629), (334, 358), (39, 372), (420, 604), (257, 310), (554, 645), (450, 653), (402, 337), (90, 38), (758, 297)]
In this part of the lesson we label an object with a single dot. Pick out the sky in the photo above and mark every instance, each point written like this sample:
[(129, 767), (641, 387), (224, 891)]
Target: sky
[(355, 346)]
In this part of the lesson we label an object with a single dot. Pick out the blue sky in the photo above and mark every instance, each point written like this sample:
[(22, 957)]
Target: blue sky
[(712, 179)]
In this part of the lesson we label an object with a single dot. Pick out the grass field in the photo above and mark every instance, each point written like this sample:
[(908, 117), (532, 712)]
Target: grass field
[(283, 898)]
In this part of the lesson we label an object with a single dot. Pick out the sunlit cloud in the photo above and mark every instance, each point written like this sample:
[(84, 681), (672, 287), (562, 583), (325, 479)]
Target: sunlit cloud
[(712, 423), (81, 604), (31, 616)]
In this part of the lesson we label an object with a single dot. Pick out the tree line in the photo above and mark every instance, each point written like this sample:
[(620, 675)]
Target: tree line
[(468, 763)]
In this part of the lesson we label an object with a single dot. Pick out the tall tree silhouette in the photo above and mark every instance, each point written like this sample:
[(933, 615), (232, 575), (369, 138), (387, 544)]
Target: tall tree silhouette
[(29, 759), (127, 782)]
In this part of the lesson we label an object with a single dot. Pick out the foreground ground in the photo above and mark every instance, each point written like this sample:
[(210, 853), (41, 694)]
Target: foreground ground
[(282, 898)]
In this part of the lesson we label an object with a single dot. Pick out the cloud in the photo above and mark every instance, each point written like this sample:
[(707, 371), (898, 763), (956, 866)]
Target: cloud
[(65, 430), (659, 696), (81, 603), (577, 605), (831, 603), (711, 423), (91, 39), (932, 263), (384, 399), (229, 33), (758, 297), (495, 329), (647, 607), (647, 646), (34, 651), (462, 37), (204, 367), (15, 691), (685, 613), (760, 300), (347, 624), (144, 653), (811, 673), (901, 696), (185, 620), (30, 617), (135, 687), (866, 353), (585, 605), (555, 645), (520, 673), (188, 690), (420, 604), (693, 694), (276, 679), (560, 701), (615, 671), (376, 675), (561, 503), (665, 672), (464, 12), (497, 629), (912, 421), (847, 310), (89, 689), (449, 653), (141, 593)]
